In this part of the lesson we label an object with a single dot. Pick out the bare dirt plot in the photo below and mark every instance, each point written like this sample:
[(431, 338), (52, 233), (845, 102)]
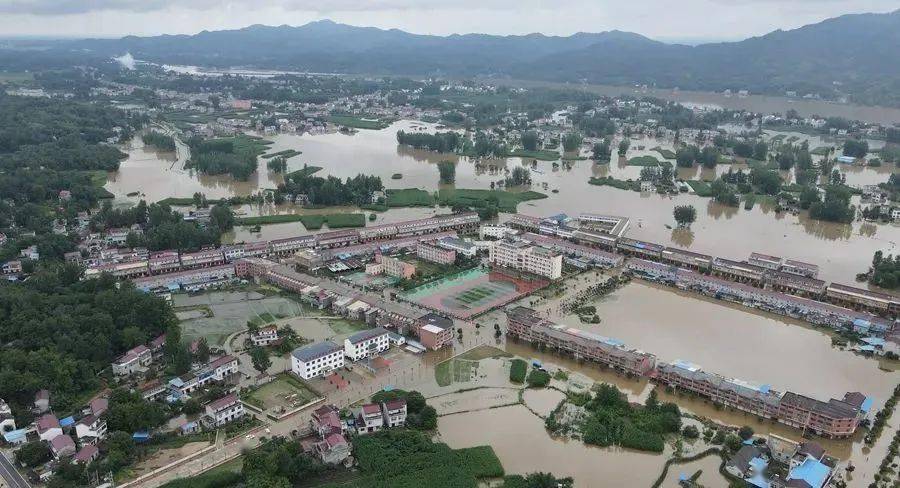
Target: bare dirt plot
[(164, 457)]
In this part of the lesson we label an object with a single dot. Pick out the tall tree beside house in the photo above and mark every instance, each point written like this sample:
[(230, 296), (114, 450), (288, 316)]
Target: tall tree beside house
[(201, 355), (685, 215), (260, 359)]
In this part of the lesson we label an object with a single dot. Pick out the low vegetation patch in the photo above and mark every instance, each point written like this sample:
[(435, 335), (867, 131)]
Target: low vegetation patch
[(643, 161), (334, 221), (506, 201), (517, 370), (409, 459), (540, 154), (358, 122), (287, 153), (701, 188), (409, 197)]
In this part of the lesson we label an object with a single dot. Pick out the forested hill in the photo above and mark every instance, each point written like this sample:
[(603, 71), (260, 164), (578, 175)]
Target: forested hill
[(852, 54)]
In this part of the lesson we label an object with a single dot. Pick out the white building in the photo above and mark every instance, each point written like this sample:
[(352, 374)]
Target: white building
[(366, 343), (47, 427), (369, 419), (224, 410), (523, 256), (317, 359), (394, 413), (7, 422), (461, 247), (90, 429), (494, 231), (135, 360), (264, 336)]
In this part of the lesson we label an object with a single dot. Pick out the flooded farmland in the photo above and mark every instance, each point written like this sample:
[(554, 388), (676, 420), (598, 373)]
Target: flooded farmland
[(523, 446), (842, 250)]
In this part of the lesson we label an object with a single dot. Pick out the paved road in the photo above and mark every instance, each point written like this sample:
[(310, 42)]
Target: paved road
[(10, 475)]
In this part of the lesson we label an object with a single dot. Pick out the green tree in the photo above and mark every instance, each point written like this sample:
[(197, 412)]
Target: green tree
[(623, 147), (690, 432), (571, 141), (447, 170), (685, 215), (709, 157), (530, 140), (686, 156), (856, 148), (260, 359), (33, 454), (602, 151), (201, 355)]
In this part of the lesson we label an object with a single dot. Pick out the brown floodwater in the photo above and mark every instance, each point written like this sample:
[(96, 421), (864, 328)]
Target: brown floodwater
[(735, 341), (542, 400), (710, 476), (520, 441), (842, 250)]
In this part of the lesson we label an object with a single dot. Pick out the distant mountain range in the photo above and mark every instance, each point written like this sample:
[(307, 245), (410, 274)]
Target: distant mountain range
[(857, 55)]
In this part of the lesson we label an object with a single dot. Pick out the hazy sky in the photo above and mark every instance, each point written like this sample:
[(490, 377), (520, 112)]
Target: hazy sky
[(660, 19)]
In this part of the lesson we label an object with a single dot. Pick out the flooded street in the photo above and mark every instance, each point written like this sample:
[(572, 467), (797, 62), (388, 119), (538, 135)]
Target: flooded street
[(842, 250), (734, 341)]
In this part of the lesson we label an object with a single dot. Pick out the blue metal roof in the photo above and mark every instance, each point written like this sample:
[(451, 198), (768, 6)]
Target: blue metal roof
[(66, 422), (813, 472), (866, 405), (873, 341), (14, 435)]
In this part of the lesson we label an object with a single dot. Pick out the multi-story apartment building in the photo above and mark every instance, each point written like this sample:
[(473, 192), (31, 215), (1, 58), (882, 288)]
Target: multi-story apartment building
[(524, 256), (860, 299), (435, 254), (397, 267), (165, 262), (765, 261), (206, 258), (834, 418), (593, 255), (641, 249), (525, 324), (685, 258), (366, 343), (317, 359), (739, 271), (749, 397)]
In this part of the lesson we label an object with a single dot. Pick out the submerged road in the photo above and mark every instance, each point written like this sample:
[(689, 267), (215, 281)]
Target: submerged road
[(10, 474)]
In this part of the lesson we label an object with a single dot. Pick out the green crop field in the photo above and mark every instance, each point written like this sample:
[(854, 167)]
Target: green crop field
[(334, 221), (409, 197), (507, 201), (643, 161), (358, 122)]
